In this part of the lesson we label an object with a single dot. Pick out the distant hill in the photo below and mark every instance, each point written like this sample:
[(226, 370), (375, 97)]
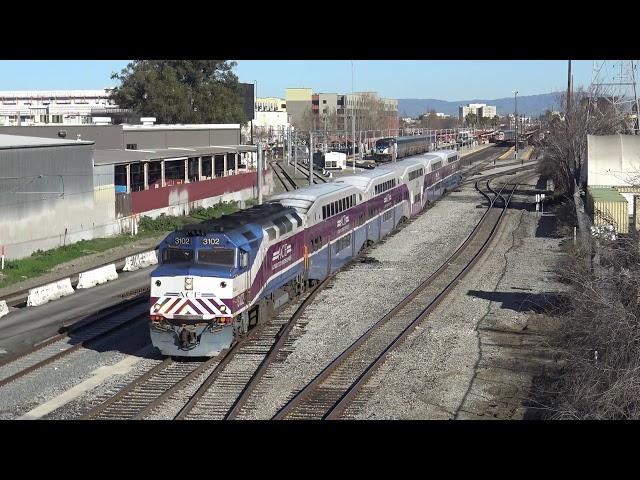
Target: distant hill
[(531, 105)]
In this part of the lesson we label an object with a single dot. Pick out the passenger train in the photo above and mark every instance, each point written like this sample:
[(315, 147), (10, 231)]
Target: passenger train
[(219, 278), (409, 145)]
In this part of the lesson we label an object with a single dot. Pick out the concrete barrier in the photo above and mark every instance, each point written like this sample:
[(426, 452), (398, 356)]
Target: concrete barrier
[(141, 260), (51, 291), (4, 309), (97, 276)]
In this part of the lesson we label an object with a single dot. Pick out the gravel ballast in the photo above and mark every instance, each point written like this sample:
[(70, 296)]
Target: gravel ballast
[(366, 291), (453, 365)]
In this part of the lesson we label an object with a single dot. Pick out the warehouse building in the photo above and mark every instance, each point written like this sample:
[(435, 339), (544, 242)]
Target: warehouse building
[(50, 194), (126, 172), (173, 181)]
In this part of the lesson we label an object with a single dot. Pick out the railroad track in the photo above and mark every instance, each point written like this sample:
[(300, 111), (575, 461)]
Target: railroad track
[(329, 394), (230, 376), (283, 177), (316, 175), (92, 329)]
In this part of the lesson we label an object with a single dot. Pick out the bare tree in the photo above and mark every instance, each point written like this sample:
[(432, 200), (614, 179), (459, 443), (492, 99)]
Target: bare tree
[(598, 336), (373, 113), (564, 147)]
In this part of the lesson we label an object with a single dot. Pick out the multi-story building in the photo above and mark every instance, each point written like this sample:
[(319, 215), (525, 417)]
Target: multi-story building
[(487, 111), (479, 109), (271, 104), (298, 102), (332, 111), (67, 107)]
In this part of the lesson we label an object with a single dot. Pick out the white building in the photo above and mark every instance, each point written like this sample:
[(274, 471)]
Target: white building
[(479, 109), (40, 107), (267, 126), (271, 104)]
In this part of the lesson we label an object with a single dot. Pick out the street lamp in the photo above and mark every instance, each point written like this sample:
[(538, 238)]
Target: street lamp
[(515, 96)]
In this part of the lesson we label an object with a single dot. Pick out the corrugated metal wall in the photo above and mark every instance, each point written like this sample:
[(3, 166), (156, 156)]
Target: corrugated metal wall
[(47, 198), (618, 211)]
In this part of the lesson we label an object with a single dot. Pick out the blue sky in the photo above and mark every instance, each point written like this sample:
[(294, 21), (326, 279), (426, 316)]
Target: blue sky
[(442, 79)]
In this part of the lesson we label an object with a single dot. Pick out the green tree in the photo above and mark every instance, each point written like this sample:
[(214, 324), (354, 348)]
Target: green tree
[(181, 91), (471, 119)]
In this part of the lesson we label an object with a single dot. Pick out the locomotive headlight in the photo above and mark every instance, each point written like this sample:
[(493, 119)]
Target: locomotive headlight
[(223, 308), (188, 283), (158, 283), (223, 284)]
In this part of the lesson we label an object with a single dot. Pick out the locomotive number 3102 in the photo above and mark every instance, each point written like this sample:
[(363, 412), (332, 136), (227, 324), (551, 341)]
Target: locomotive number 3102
[(211, 241)]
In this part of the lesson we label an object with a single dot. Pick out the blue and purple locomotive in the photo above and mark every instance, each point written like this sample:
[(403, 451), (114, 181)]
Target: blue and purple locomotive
[(219, 278)]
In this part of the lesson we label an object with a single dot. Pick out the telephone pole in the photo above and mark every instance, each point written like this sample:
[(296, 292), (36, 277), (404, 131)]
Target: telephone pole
[(310, 158), (569, 88), (515, 96), (353, 122)]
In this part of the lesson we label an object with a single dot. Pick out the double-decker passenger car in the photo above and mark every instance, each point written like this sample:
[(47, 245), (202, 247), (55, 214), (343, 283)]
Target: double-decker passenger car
[(219, 278)]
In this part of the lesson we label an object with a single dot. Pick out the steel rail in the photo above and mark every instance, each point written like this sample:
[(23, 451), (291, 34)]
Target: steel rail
[(95, 411), (279, 339), (338, 409), (324, 374), (286, 175), (316, 174), (93, 338), (279, 176)]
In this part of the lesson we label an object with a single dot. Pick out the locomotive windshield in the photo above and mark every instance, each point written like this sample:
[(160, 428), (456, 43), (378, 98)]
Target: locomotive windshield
[(384, 143), (177, 255), (225, 257)]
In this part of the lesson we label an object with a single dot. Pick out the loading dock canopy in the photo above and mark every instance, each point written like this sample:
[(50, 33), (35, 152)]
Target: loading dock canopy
[(613, 160), (120, 156)]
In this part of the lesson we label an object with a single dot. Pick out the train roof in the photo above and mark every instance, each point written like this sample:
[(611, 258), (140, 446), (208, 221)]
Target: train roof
[(407, 138), (245, 222), (402, 166), (364, 179), (303, 198), (443, 153)]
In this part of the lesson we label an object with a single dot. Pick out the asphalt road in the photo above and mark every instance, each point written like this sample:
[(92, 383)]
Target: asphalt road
[(22, 328)]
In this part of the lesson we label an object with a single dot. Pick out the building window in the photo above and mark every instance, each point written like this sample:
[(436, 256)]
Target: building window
[(324, 102), (132, 146)]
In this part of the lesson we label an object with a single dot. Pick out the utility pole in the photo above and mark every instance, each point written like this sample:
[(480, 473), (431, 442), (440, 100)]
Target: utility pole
[(310, 158), (295, 155), (569, 87), (515, 96), (260, 173), (289, 145), (353, 121)]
